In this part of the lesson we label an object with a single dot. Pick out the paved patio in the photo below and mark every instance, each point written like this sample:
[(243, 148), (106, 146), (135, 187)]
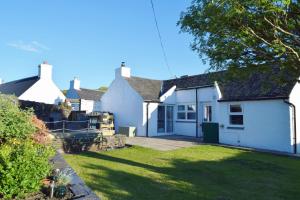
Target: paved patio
[(164, 143)]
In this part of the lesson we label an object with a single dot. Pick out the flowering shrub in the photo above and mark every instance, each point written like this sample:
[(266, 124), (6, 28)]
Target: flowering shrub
[(41, 134), (24, 153)]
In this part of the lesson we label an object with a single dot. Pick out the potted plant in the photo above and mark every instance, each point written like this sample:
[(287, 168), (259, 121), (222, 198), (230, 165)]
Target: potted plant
[(62, 180)]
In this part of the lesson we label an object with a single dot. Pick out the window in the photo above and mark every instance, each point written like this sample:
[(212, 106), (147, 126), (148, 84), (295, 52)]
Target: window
[(236, 116), (207, 113), (186, 112)]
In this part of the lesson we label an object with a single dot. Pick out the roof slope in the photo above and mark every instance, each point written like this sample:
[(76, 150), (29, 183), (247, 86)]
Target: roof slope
[(149, 89), (88, 94), (18, 87), (256, 86)]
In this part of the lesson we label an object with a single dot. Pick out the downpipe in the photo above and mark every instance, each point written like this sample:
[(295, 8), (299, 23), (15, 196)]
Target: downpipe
[(294, 124)]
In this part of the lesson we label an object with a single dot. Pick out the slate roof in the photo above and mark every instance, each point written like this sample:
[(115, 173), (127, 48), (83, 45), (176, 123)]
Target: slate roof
[(256, 87), (89, 94), (18, 87), (149, 89)]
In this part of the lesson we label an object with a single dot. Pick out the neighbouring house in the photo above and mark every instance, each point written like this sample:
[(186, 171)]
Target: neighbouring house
[(257, 112), (40, 88), (82, 99)]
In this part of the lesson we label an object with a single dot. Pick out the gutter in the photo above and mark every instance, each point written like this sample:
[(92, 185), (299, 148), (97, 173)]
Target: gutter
[(147, 120), (294, 123), (197, 128)]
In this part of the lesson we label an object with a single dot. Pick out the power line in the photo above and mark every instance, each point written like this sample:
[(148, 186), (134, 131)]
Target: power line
[(160, 40)]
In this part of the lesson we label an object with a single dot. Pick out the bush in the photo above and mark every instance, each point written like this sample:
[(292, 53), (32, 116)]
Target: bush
[(41, 134), (14, 122), (23, 164)]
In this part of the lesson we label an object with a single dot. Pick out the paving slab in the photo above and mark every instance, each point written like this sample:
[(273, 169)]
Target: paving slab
[(164, 143)]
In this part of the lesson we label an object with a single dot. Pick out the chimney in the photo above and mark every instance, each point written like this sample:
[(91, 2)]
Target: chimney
[(122, 71), (45, 71), (1, 81), (75, 84)]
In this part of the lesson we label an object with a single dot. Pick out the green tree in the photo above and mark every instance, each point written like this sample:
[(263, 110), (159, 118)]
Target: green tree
[(250, 34), (103, 88)]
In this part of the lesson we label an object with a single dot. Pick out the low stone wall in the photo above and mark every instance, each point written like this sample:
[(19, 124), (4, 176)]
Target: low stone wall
[(79, 189)]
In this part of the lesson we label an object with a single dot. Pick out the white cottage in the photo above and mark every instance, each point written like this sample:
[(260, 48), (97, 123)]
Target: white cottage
[(249, 113), (40, 88), (83, 99)]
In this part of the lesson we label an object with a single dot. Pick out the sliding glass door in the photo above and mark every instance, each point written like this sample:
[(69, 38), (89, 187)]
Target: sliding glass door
[(165, 121)]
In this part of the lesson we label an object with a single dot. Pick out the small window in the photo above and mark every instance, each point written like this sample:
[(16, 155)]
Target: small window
[(186, 112), (236, 119), (191, 115), (236, 116), (191, 108), (181, 107), (181, 115), (235, 108)]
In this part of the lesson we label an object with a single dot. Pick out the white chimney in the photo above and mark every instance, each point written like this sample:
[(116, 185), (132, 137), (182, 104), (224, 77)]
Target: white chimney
[(1, 81), (75, 84), (45, 71), (122, 71)]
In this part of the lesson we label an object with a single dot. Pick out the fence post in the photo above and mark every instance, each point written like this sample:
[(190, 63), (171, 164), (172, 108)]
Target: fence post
[(63, 126)]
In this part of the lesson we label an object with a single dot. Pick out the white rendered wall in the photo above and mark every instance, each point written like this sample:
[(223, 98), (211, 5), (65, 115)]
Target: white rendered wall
[(86, 105), (126, 105), (43, 91), (266, 125), (295, 99)]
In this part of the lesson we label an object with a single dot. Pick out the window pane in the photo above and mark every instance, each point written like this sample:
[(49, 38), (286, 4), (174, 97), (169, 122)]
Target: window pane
[(207, 114), (191, 115), (181, 108), (161, 119), (236, 119), (191, 108), (181, 115), (235, 108)]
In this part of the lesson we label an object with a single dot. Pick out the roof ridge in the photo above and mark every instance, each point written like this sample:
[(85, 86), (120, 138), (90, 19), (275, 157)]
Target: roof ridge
[(19, 80), (143, 78)]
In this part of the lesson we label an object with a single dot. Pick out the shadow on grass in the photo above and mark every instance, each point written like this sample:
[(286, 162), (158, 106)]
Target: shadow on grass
[(247, 175)]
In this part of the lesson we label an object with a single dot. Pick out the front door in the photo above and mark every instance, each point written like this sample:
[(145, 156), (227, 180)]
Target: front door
[(165, 121), (205, 114)]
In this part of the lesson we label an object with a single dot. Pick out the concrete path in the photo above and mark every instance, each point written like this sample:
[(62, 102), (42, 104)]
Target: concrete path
[(164, 143)]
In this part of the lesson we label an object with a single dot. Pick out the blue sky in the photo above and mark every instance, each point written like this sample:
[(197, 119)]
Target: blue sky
[(89, 39)]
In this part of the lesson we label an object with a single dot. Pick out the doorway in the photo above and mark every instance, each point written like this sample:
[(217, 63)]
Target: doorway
[(165, 120)]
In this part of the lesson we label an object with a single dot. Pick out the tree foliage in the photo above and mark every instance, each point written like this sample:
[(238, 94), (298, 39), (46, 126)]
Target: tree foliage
[(250, 34)]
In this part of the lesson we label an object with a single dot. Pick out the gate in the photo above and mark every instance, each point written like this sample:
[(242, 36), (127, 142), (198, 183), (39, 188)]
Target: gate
[(210, 132)]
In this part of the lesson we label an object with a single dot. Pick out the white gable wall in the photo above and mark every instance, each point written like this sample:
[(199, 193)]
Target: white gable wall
[(43, 91), (266, 125), (126, 105), (295, 99)]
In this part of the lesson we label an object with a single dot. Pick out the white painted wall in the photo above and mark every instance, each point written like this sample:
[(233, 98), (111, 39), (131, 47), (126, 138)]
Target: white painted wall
[(295, 99), (43, 91), (87, 105), (126, 105), (266, 125)]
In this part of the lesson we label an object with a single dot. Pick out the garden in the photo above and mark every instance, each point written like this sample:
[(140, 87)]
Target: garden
[(25, 152)]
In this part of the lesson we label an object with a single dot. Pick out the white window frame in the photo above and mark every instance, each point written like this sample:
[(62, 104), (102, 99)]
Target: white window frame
[(186, 111), (236, 113)]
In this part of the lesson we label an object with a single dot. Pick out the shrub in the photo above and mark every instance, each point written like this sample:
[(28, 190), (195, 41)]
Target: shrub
[(41, 134), (14, 122), (23, 164)]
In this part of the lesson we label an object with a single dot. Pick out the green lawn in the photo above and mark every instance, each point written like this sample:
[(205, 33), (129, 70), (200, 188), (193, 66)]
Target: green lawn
[(202, 172)]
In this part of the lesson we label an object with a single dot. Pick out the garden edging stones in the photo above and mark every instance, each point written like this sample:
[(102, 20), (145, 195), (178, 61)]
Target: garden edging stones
[(79, 189)]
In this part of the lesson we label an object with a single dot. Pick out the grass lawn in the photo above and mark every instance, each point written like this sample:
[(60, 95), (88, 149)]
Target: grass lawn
[(201, 172)]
